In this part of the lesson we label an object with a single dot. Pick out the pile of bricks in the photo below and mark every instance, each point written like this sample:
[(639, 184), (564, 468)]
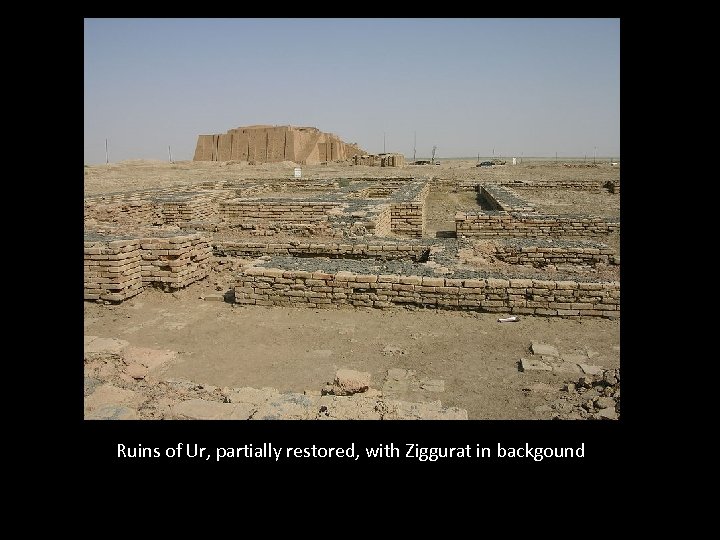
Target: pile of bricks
[(174, 262), (111, 269), (278, 287)]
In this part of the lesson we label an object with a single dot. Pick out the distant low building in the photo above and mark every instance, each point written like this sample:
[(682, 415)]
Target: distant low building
[(380, 160), (272, 144)]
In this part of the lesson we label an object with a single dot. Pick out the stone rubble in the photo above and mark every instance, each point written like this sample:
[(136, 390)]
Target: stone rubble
[(125, 382), (593, 395)]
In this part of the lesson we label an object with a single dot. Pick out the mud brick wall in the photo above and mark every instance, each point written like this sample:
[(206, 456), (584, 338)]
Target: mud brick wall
[(275, 211), (267, 217), (332, 250), (408, 218), (184, 210), (280, 185), (381, 222), (387, 180), (273, 144), (504, 224), (204, 148), (543, 256), (278, 287), (122, 209), (463, 185), (593, 186), (112, 270), (373, 220), (504, 198), (378, 192), (253, 190), (175, 261)]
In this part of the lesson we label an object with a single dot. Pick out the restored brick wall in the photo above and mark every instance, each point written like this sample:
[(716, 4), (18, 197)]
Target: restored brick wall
[(115, 270), (540, 256), (592, 186), (275, 211), (179, 210), (268, 217), (278, 287), (380, 222), (112, 269), (332, 250), (133, 209), (529, 225), (409, 218), (175, 261), (504, 198)]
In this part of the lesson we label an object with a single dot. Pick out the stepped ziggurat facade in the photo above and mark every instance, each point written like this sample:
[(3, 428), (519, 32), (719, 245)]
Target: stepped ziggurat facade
[(272, 144)]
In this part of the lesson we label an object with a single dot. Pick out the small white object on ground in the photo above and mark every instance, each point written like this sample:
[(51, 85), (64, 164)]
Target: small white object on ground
[(509, 319)]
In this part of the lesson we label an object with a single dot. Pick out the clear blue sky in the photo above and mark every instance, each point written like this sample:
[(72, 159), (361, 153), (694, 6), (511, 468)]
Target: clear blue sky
[(519, 86)]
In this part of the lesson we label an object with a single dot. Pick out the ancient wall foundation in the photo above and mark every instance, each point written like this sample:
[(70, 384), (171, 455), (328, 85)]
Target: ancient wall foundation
[(541, 255), (380, 251), (408, 218), (279, 287), (489, 224), (511, 215), (590, 186), (175, 261), (112, 269), (179, 209), (503, 198), (377, 225), (118, 269), (123, 210)]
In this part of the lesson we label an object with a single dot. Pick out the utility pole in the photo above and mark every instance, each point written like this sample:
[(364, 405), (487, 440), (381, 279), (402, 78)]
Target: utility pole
[(106, 153), (170, 154), (433, 154), (414, 144), (594, 155)]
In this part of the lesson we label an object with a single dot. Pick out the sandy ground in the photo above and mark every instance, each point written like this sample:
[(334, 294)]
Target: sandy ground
[(295, 349)]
